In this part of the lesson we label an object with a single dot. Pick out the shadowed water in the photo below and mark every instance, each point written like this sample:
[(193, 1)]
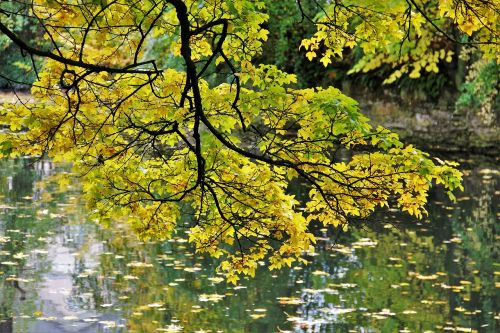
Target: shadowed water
[(60, 272)]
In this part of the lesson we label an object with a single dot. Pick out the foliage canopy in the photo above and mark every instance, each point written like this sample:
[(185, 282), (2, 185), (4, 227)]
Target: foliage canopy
[(206, 136)]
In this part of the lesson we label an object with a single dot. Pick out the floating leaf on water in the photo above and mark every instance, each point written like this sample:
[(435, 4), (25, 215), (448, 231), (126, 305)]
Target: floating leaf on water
[(445, 286), (427, 277), (192, 269), (364, 242), (108, 323), (216, 279), (290, 300), (330, 291), (489, 172), (316, 291), (240, 287), (172, 328), (311, 291), (155, 305), (458, 329), (211, 298), (336, 310), (432, 302), (18, 279), (342, 249), (257, 315), (409, 312), (196, 309), (384, 314), (137, 264), (83, 275), (20, 255), (306, 322), (346, 285)]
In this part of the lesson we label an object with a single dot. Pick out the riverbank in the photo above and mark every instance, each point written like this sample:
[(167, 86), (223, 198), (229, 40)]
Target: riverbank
[(435, 126)]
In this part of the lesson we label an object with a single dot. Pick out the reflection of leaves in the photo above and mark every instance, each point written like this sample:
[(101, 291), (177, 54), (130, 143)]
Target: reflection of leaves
[(160, 286)]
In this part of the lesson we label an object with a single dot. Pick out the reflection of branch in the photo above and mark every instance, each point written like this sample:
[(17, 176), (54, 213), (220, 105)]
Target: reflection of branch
[(15, 283)]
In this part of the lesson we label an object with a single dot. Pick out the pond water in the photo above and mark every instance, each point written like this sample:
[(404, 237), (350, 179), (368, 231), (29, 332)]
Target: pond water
[(60, 272)]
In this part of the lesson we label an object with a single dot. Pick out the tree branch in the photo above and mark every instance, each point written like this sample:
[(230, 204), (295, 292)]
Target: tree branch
[(92, 67)]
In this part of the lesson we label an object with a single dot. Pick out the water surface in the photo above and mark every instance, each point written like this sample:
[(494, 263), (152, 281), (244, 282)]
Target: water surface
[(60, 272)]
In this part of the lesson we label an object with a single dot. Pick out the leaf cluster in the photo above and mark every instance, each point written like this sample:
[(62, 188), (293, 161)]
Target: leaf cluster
[(157, 144)]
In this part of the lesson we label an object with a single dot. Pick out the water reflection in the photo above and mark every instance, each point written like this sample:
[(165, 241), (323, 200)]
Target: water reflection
[(60, 273)]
